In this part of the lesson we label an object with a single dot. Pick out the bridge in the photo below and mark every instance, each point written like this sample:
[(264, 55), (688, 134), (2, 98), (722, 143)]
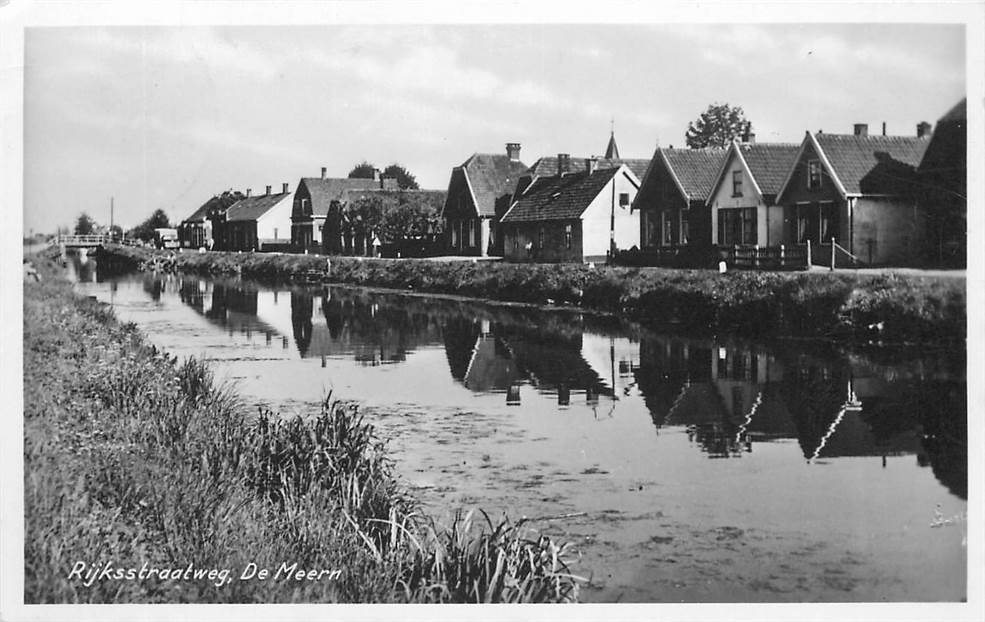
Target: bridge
[(88, 241)]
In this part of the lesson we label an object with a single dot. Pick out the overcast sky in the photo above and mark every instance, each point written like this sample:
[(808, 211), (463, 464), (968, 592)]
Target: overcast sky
[(168, 116)]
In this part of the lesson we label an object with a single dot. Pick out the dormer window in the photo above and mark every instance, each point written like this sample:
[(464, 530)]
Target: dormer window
[(813, 175), (737, 183)]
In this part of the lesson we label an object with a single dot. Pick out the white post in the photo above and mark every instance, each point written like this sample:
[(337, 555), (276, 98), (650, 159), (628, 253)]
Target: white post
[(808, 252), (832, 254)]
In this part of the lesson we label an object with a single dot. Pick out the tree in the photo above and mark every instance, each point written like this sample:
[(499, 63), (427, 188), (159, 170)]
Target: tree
[(85, 225), (716, 127), (405, 179), (363, 170), (145, 230)]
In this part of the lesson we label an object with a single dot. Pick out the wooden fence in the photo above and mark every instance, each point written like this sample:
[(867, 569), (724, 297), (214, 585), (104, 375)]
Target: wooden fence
[(782, 257)]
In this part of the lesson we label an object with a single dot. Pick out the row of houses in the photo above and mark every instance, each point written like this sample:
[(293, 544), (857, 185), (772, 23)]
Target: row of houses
[(858, 198), (865, 198)]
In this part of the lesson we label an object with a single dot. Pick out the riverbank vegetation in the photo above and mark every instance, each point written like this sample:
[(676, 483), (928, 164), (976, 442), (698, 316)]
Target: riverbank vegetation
[(886, 308), (141, 461)]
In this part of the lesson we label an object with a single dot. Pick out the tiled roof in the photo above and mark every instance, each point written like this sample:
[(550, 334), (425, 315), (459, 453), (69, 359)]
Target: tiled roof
[(947, 151), (199, 214), (559, 198), (253, 207), (769, 163), (491, 176), (695, 169), (324, 191), (872, 164), (548, 166)]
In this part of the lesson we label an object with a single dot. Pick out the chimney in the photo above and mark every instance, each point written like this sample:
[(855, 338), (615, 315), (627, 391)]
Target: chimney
[(923, 129), (883, 128), (591, 164), (268, 191), (376, 174), (563, 163), (513, 151), (747, 134), (249, 192), (861, 129), (323, 172), (284, 186)]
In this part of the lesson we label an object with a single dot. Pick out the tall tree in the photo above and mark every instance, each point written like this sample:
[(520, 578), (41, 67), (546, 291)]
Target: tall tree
[(405, 179), (85, 225), (716, 127), (145, 230), (363, 170)]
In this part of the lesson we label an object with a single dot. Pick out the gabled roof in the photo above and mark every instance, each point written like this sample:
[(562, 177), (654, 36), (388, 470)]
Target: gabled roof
[(947, 151), (861, 165), (325, 190), (871, 164), (694, 170), (767, 164), (254, 207), (562, 197), (489, 177), (199, 214)]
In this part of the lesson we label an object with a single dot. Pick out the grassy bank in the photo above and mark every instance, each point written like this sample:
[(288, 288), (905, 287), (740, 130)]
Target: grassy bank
[(133, 457), (890, 308)]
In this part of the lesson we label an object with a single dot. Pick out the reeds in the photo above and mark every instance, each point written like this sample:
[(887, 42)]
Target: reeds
[(132, 456)]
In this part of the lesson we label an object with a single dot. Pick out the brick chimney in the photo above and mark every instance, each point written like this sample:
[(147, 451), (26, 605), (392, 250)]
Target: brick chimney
[(563, 163), (591, 164), (861, 129), (883, 128), (324, 171), (513, 151), (284, 188), (747, 134), (268, 191), (249, 192), (923, 129)]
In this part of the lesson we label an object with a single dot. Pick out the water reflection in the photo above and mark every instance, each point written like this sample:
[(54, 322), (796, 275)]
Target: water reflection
[(729, 396)]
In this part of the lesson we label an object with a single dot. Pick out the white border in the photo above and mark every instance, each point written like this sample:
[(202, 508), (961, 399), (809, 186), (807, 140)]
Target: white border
[(15, 15)]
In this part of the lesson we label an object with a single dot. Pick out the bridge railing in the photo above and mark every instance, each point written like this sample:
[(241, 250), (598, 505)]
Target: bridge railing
[(92, 240)]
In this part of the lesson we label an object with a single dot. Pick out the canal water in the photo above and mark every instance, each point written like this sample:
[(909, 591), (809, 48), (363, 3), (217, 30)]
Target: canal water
[(680, 469)]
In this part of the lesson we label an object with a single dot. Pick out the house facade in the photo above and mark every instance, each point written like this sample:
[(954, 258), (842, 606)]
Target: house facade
[(312, 200), (672, 201), (352, 227), (573, 217), (258, 223), (860, 191), (196, 230), (480, 191), (742, 201)]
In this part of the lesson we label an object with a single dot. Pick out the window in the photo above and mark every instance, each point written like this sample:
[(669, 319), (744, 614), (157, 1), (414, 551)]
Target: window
[(623, 199), (829, 221), (684, 231), (737, 183), (472, 233), (540, 238), (668, 225), (813, 174), (567, 237), (454, 232), (304, 206), (275, 233), (737, 226), (806, 223), (650, 228), (516, 240)]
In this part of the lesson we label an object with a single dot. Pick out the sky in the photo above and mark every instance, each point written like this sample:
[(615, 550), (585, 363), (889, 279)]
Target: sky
[(166, 117)]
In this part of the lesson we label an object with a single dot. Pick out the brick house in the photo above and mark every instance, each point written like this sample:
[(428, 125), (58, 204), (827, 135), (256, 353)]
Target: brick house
[(742, 201), (573, 217), (196, 230), (257, 223), (861, 191), (672, 201), (312, 201), (480, 191)]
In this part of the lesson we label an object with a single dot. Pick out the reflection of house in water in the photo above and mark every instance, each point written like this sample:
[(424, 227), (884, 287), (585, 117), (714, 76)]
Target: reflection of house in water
[(729, 397), (355, 323), (235, 307)]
